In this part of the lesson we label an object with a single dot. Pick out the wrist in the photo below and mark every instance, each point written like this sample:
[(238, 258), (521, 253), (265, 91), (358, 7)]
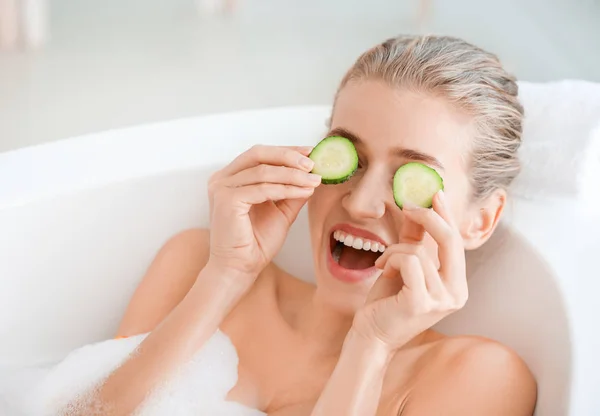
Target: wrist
[(227, 277), (359, 345), (227, 285), (367, 326)]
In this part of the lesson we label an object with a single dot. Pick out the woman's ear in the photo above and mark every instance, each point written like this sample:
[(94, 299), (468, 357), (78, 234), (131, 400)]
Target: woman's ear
[(483, 219)]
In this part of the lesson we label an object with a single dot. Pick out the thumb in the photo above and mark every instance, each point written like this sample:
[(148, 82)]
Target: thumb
[(410, 231), (387, 284), (291, 208)]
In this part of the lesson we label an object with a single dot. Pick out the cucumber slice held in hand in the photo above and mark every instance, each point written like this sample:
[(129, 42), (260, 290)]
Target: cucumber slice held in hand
[(416, 183), (335, 159)]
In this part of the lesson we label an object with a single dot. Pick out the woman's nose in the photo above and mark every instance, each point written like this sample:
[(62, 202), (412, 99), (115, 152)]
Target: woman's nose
[(366, 199)]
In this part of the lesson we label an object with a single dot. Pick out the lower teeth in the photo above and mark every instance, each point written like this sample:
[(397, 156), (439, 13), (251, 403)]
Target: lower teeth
[(337, 252)]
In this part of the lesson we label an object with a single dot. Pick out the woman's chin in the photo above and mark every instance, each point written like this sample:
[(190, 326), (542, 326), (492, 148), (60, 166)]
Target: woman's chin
[(345, 290)]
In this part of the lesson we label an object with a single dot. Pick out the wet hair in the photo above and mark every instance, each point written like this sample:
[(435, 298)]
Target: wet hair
[(466, 76)]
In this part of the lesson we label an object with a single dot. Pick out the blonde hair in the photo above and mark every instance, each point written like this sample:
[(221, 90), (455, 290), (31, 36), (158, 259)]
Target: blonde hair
[(466, 76)]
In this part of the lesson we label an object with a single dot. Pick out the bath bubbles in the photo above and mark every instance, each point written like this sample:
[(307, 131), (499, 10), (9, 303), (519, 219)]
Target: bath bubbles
[(199, 387)]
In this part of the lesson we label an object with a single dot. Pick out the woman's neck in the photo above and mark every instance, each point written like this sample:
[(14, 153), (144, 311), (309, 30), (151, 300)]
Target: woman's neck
[(322, 325)]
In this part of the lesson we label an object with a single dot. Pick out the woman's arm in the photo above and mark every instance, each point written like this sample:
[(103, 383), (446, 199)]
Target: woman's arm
[(240, 248), (179, 328), (489, 380), (355, 385), (167, 281)]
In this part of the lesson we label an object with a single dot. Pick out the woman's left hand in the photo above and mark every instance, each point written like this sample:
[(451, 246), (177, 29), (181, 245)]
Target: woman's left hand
[(413, 294)]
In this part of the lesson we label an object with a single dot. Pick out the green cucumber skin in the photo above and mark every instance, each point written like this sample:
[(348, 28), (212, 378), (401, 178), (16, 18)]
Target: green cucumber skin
[(339, 180), (422, 166), (335, 181)]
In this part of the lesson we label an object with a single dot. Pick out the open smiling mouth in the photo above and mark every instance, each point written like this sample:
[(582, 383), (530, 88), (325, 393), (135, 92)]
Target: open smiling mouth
[(354, 253)]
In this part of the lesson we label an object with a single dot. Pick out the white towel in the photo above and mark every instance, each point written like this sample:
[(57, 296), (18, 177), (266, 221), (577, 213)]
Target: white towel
[(560, 150)]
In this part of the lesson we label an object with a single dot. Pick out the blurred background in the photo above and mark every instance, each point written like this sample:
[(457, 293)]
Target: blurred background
[(69, 67)]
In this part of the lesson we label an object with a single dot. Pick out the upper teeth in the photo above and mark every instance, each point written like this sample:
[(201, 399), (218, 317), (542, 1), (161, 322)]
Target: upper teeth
[(358, 243)]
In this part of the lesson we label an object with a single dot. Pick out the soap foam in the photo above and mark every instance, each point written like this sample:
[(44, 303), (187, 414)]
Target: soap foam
[(200, 387)]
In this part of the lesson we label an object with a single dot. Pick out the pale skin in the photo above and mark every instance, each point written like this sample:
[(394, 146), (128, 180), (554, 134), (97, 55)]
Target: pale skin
[(362, 348)]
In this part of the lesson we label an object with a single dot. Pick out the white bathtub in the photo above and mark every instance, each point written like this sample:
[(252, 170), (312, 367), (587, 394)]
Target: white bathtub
[(80, 220)]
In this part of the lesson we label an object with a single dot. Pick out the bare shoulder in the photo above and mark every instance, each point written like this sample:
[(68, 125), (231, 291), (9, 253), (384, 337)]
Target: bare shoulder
[(472, 375), (167, 280)]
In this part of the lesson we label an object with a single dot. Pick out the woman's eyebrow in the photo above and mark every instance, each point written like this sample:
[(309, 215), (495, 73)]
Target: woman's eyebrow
[(339, 131), (411, 154), (404, 153)]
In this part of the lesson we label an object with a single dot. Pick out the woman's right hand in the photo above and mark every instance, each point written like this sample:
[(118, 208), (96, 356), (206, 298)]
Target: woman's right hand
[(253, 202)]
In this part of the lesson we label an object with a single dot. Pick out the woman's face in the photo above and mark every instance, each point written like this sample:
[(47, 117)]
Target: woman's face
[(389, 127)]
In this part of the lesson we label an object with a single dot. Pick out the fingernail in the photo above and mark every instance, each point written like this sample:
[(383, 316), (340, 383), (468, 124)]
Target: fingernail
[(441, 196), (314, 178), (306, 149), (306, 163)]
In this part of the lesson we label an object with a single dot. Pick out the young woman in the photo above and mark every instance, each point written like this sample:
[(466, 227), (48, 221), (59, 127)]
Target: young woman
[(359, 341)]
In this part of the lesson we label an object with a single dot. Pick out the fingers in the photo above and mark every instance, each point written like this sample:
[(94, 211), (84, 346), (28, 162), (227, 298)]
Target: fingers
[(291, 208), (257, 194), (440, 206), (433, 281), (305, 150), (242, 198), (400, 248), (293, 157), (443, 231), (411, 272), (267, 173), (411, 232), (384, 288), (273, 174)]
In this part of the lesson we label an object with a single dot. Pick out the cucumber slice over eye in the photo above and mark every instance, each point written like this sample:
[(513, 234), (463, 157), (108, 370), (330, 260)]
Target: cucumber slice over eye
[(335, 159), (417, 183)]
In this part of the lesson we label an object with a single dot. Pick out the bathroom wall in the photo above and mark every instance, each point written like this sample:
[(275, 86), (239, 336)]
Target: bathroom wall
[(114, 63)]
